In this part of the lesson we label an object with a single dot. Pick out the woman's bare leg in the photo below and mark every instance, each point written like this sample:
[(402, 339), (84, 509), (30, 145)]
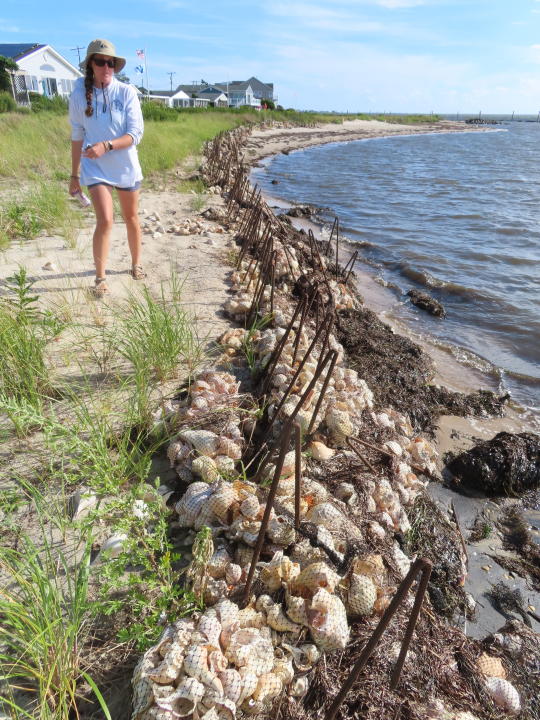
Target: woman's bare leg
[(103, 207), (129, 203)]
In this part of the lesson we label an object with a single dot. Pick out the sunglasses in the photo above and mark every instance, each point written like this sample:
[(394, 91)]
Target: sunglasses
[(101, 63)]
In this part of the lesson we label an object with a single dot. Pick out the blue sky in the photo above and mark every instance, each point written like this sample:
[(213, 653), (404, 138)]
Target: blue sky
[(359, 55)]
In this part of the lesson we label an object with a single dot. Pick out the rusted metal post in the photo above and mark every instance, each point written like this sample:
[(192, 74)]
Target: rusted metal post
[(297, 473), (267, 510), (425, 570), (420, 565), (348, 270), (276, 353), (328, 244), (323, 391), (362, 458)]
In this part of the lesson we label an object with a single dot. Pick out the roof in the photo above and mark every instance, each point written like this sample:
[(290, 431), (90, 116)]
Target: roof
[(16, 51), (206, 88)]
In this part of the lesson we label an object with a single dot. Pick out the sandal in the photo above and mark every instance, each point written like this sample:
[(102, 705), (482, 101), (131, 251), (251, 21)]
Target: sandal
[(100, 288), (137, 272)]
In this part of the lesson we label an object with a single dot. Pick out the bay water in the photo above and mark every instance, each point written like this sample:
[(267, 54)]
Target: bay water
[(453, 214)]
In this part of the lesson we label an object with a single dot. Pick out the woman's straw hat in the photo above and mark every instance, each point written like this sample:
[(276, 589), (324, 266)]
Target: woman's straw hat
[(103, 47)]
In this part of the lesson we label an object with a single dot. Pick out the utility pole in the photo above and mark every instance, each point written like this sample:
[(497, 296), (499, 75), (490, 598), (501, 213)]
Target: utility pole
[(170, 74), (78, 49)]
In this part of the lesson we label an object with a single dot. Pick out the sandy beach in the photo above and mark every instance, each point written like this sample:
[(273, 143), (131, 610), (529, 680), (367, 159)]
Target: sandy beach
[(193, 237)]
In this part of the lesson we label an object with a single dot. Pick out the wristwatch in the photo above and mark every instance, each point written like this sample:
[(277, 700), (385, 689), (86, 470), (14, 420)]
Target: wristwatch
[(109, 145)]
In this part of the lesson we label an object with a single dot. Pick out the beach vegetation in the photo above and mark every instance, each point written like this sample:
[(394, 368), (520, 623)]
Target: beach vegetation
[(7, 103), (7, 65)]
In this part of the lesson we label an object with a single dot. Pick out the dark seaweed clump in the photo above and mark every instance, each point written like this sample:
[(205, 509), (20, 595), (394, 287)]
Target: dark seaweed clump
[(509, 464), (398, 372)]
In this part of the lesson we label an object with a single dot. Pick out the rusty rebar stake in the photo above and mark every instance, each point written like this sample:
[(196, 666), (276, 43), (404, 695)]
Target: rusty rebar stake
[(419, 566), (276, 353), (359, 454), (267, 510), (323, 391), (297, 473)]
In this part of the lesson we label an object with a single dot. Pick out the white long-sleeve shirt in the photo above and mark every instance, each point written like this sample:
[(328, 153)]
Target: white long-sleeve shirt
[(117, 112)]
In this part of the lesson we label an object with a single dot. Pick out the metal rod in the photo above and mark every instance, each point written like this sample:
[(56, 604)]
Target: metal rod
[(298, 333), (276, 353), (327, 250), (376, 636), (351, 263), (362, 458), (267, 510), (323, 391), (297, 473), (418, 600)]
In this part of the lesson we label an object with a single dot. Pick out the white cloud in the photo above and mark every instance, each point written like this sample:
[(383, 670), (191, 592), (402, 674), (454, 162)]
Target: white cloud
[(5, 26)]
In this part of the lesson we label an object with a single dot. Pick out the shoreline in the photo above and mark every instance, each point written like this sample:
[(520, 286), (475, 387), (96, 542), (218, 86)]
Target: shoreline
[(455, 433)]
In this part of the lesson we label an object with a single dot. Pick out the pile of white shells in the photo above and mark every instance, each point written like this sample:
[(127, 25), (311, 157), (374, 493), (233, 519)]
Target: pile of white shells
[(225, 660), (188, 226), (197, 453)]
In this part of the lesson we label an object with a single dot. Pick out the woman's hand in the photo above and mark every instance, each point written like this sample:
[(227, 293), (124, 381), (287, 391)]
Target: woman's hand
[(74, 185), (94, 151)]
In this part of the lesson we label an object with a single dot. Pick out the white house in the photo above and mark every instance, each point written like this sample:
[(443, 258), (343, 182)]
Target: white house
[(41, 69)]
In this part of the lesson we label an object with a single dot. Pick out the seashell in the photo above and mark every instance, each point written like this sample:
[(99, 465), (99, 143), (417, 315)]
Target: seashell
[(339, 423), (185, 699), (217, 662), (402, 561), (232, 683), (286, 487), (504, 695), (304, 554), (280, 531), (315, 490), (296, 609), (80, 503), (393, 447), (289, 464), (249, 684), (210, 627), (143, 695), (206, 468), (218, 563), (384, 597), (252, 707), (113, 546), (249, 617), (279, 570), (184, 473), (328, 621), (213, 699), (268, 687), (211, 714), (299, 687), (328, 516), (490, 666), (314, 576), (283, 666), (224, 464), (233, 574), (223, 497), (214, 590), (177, 452), (372, 566), (277, 620), (243, 556), (361, 596), (250, 507), (191, 503), (167, 671), (196, 666), (229, 447), (376, 530), (319, 451), (204, 441), (347, 493), (248, 648)]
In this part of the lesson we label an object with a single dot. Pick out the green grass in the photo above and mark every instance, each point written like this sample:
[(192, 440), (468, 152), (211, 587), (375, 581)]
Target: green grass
[(43, 608)]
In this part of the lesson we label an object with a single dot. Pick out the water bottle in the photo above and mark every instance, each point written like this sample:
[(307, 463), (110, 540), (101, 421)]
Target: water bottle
[(83, 199)]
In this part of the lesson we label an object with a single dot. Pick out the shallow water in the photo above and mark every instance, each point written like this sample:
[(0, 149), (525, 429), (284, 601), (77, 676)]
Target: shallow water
[(456, 215)]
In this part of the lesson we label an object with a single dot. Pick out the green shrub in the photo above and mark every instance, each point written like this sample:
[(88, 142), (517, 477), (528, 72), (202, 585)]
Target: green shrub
[(41, 103), (157, 111), (7, 103)]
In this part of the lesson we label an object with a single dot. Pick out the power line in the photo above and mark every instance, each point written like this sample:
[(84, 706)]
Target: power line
[(78, 49)]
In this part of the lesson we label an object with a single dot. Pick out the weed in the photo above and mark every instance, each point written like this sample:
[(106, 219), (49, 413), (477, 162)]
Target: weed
[(43, 608), (156, 336), (196, 186), (141, 582), (249, 339), (197, 571), (197, 202)]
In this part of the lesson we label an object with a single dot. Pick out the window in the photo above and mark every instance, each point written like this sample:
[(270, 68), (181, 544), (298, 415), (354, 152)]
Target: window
[(50, 87)]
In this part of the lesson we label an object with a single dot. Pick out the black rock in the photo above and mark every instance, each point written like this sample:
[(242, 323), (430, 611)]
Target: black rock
[(426, 302), (275, 182), (509, 464)]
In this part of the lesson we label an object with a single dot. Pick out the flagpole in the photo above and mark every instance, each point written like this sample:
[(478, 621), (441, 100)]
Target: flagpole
[(146, 72)]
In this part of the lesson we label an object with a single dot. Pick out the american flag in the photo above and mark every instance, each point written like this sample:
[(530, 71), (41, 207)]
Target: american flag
[(140, 54)]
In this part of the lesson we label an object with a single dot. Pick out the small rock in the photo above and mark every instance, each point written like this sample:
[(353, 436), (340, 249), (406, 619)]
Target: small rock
[(426, 302), (487, 568), (49, 266)]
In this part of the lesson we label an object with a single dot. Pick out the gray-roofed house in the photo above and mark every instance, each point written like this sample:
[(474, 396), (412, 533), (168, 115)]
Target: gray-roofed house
[(213, 94), (250, 92), (41, 69)]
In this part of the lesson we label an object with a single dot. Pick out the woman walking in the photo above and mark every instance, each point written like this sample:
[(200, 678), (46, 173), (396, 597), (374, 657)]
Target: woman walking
[(107, 125)]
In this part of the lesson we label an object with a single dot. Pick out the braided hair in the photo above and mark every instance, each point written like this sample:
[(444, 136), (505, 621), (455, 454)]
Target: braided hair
[(89, 88)]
